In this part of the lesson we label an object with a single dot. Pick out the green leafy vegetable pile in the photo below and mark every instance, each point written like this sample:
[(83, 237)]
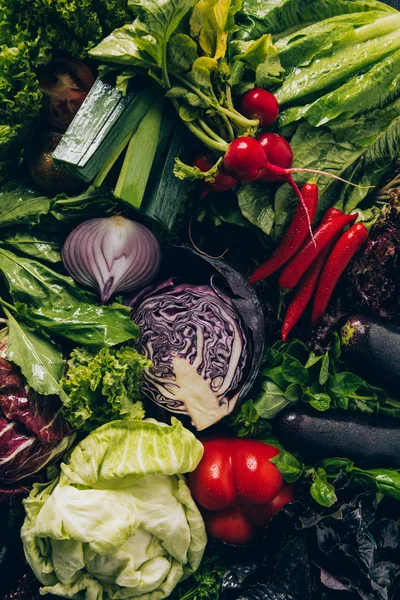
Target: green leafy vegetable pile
[(30, 32), (189, 49), (291, 373), (103, 387), (340, 99)]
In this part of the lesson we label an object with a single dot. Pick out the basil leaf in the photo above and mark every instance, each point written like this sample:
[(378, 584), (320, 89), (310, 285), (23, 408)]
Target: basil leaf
[(294, 392), (333, 466), (312, 360), (270, 401), (386, 481), (343, 384), (276, 375), (321, 402), (322, 491), (288, 465), (324, 372), (40, 361), (294, 371)]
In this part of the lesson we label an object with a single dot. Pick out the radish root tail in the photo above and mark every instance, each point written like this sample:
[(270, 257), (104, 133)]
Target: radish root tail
[(331, 176)]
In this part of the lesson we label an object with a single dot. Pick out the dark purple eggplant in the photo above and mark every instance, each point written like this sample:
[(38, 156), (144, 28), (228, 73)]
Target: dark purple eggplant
[(368, 440), (371, 349)]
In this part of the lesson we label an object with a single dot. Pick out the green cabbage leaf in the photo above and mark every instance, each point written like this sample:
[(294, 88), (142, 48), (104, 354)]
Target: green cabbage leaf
[(120, 521)]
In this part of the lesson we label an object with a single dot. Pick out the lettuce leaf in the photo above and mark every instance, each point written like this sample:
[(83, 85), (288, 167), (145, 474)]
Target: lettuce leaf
[(281, 16), (120, 522), (102, 387)]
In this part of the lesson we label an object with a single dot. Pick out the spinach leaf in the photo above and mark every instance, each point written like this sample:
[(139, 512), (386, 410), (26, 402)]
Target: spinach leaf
[(39, 359), (36, 243), (36, 284), (20, 204), (83, 324), (256, 204)]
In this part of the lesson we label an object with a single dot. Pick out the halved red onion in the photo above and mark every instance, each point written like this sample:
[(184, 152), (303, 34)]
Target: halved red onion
[(111, 255)]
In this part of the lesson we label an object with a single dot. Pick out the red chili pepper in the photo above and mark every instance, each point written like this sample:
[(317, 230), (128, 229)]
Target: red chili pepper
[(304, 293), (331, 225), (344, 250), (238, 485), (294, 237)]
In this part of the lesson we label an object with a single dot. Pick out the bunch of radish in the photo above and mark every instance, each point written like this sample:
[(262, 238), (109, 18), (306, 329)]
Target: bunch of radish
[(266, 158)]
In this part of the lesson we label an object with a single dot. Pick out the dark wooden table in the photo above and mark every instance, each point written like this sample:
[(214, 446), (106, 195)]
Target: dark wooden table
[(394, 3)]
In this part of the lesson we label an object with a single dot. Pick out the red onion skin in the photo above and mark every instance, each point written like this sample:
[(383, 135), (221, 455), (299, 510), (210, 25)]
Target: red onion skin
[(111, 255)]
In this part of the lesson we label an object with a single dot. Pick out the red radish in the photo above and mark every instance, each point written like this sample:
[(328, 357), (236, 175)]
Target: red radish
[(277, 151), (260, 104), (245, 159), (222, 181)]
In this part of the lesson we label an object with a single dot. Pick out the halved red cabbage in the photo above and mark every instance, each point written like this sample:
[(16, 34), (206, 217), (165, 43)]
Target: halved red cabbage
[(33, 432), (205, 343)]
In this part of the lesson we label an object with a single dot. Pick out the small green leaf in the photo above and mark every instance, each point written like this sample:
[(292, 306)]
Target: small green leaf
[(194, 100), (324, 372), (333, 466), (288, 465), (344, 383), (188, 113), (182, 52), (183, 171), (342, 402), (294, 371), (385, 481), (276, 375), (322, 491), (312, 360), (270, 401), (294, 392), (176, 92), (321, 402)]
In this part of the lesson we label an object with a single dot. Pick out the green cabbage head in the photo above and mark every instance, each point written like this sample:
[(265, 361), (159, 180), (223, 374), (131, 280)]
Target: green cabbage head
[(119, 522)]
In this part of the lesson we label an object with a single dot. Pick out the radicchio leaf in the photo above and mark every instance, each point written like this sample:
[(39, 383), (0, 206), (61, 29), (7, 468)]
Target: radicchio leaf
[(33, 431)]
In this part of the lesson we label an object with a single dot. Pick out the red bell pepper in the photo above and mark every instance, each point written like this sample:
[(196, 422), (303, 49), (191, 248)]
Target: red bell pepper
[(239, 488)]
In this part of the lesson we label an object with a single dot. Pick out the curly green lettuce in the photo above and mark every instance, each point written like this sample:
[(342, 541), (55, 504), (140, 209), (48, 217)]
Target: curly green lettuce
[(103, 387), (30, 31)]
